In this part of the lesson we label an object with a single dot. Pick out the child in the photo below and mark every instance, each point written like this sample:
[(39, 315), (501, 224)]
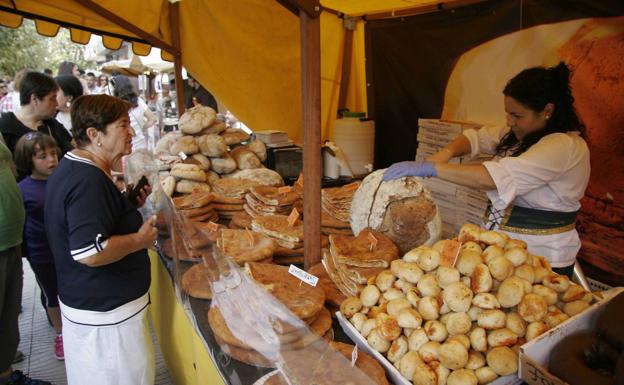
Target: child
[(37, 154)]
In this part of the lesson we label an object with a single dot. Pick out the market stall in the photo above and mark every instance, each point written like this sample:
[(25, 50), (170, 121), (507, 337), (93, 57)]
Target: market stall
[(240, 316)]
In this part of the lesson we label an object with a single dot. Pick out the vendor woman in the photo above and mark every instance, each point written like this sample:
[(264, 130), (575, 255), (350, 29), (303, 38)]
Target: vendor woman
[(540, 167)]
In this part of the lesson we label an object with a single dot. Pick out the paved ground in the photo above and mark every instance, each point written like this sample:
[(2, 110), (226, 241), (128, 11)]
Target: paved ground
[(37, 340)]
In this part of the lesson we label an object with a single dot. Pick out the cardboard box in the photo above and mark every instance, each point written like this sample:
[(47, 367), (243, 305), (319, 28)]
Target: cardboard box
[(535, 354), (393, 373)]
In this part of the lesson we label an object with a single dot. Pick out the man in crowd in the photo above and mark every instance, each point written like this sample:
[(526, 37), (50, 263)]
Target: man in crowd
[(92, 86), (199, 95)]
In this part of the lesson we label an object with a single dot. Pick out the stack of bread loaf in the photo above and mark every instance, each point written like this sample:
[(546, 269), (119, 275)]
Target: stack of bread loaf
[(240, 220), (229, 195), (333, 295), (197, 207), (303, 300), (241, 246), (351, 261), (205, 150), (452, 314), (269, 200), (336, 204), (289, 237)]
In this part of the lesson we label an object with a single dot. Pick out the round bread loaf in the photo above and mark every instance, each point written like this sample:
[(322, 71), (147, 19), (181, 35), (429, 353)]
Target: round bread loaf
[(188, 171), (212, 145), (402, 209), (262, 176), (259, 148), (223, 165), (185, 144), (234, 136), (195, 119), (245, 159)]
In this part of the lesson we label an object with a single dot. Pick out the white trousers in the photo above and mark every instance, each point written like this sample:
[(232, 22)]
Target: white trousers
[(120, 354)]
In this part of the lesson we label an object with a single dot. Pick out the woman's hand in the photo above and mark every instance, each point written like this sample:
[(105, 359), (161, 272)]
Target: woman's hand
[(147, 233), (403, 169), (142, 197)]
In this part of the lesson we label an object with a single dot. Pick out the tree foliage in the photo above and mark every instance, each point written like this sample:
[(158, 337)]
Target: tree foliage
[(24, 48)]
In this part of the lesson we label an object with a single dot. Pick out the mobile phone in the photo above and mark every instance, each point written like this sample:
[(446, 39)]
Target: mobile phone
[(135, 192)]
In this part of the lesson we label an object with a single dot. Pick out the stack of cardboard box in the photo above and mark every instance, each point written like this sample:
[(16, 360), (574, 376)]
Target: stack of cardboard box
[(457, 204)]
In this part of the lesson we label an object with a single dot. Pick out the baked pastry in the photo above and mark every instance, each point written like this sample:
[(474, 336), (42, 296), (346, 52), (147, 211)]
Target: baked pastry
[(186, 186), (245, 159), (200, 160), (195, 119), (224, 165), (185, 144), (502, 360), (262, 176), (245, 246), (359, 252), (163, 145), (402, 209), (168, 185), (192, 201), (196, 281), (234, 136), (259, 148), (188, 171)]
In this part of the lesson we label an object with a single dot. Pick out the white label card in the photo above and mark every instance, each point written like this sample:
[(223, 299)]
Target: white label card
[(182, 155), (354, 356), (303, 275)]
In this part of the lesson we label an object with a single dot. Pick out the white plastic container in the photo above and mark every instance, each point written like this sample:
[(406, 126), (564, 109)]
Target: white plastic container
[(356, 138)]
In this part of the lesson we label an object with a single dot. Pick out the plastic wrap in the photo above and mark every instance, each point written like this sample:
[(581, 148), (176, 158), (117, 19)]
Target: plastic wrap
[(247, 330)]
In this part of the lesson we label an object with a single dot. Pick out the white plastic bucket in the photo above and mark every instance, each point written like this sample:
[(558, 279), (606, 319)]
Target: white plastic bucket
[(356, 138)]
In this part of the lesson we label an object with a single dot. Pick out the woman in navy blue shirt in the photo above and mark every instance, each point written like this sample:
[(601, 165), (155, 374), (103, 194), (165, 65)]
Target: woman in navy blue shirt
[(99, 243)]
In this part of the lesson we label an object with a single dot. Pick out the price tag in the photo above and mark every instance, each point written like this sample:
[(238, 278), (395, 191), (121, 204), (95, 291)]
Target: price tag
[(303, 275), (450, 252), (292, 218), (351, 186), (373, 241), (354, 355), (250, 237), (284, 190), (213, 226), (299, 181), (182, 155)]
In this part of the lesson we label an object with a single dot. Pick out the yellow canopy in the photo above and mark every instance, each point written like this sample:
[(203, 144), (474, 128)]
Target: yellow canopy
[(246, 52)]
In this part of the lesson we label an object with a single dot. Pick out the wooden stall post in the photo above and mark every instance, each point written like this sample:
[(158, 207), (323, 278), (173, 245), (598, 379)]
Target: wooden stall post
[(311, 113), (177, 64)]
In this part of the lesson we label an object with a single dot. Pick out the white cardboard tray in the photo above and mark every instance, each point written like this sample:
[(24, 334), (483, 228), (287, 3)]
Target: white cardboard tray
[(391, 371)]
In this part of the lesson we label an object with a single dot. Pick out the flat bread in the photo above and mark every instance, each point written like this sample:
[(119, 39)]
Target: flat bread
[(211, 216), (327, 220), (196, 281), (193, 200), (197, 212), (287, 261), (349, 289), (271, 196), (356, 251), (276, 226), (232, 187), (242, 220), (335, 371), (289, 341), (218, 198), (236, 245), (227, 207), (247, 356), (261, 207), (303, 300), (333, 296), (182, 254)]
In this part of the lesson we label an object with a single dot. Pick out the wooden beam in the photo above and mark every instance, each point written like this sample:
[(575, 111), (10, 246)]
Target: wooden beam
[(311, 114), (349, 26), (153, 40), (174, 21), (311, 8)]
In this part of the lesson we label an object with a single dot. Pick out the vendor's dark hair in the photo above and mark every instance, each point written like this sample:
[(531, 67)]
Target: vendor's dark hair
[(534, 88), (35, 83), (95, 111), (70, 85)]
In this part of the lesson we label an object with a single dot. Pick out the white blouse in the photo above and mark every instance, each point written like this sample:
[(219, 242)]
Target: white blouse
[(551, 175)]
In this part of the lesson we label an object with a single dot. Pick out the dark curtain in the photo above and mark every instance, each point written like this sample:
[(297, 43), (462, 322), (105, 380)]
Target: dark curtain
[(409, 59)]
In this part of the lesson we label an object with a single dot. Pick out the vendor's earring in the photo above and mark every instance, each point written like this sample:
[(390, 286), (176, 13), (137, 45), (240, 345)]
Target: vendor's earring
[(68, 104), (99, 144)]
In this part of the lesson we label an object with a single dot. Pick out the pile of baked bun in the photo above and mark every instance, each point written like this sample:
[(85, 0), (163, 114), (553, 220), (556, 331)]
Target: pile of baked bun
[(204, 150), (457, 312)]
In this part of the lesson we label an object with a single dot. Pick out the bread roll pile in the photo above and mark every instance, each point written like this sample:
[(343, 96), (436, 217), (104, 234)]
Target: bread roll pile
[(440, 323), (204, 150)]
